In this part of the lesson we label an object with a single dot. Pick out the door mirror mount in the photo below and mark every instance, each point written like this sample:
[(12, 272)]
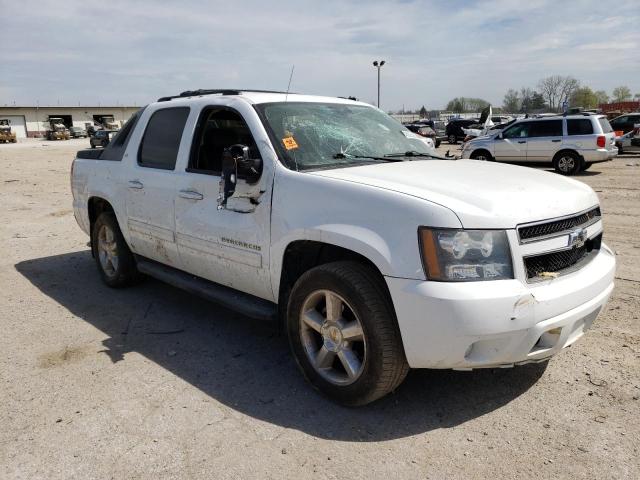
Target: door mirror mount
[(228, 178)]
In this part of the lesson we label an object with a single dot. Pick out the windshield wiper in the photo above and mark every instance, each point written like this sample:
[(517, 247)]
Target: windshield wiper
[(413, 153), (386, 158)]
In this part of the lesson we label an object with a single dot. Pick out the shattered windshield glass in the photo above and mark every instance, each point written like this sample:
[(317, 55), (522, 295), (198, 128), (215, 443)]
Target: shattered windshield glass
[(328, 135)]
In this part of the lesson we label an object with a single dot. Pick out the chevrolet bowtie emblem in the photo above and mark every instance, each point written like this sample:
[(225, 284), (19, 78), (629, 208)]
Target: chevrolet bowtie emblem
[(577, 238)]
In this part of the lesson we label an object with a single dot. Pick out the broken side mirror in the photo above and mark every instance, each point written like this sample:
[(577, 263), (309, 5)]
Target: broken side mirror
[(249, 169)]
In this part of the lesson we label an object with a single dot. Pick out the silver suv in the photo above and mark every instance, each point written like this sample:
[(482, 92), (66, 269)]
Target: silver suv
[(572, 143)]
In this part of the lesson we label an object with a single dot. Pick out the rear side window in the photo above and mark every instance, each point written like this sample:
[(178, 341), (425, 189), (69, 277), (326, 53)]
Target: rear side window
[(546, 128), (606, 126), (116, 148), (582, 126), (161, 140)]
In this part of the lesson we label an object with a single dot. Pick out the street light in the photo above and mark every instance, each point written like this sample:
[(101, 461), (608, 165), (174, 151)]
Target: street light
[(378, 65)]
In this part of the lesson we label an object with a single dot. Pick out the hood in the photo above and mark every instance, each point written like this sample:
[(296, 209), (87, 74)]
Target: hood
[(481, 194)]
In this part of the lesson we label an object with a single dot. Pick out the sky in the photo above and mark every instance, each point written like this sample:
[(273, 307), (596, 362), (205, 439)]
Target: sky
[(113, 52)]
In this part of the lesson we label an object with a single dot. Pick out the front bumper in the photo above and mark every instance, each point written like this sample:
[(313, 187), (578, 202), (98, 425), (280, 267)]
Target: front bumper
[(500, 323)]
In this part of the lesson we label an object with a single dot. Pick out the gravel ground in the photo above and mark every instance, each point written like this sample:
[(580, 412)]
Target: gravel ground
[(151, 382)]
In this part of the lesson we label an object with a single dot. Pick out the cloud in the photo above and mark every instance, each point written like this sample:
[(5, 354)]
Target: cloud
[(135, 52)]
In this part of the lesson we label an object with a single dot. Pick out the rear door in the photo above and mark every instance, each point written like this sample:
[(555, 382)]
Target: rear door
[(512, 147), (545, 139), (151, 187)]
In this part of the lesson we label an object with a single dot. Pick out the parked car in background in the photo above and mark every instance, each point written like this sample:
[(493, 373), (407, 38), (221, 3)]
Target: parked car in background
[(471, 134), (454, 128), (629, 142), (625, 123), (101, 138), (571, 143), (77, 132), (426, 130)]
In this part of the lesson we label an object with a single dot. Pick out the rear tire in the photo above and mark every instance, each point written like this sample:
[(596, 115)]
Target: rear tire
[(567, 163), (115, 262), (452, 139), (344, 334)]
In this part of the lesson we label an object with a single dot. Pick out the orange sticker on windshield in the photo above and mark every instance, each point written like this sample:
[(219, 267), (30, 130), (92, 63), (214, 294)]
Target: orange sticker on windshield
[(289, 143)]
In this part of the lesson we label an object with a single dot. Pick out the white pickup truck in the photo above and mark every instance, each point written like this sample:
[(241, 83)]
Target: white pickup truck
[(327, 214)]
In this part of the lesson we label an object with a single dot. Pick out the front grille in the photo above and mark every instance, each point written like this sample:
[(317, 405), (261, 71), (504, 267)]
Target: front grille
[(560, 262), (549, 228)]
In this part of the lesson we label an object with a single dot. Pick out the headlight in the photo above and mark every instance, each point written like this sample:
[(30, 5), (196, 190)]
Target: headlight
[(453, 255)]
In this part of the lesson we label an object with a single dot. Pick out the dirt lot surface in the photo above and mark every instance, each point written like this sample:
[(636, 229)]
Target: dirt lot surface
[(151, 382)]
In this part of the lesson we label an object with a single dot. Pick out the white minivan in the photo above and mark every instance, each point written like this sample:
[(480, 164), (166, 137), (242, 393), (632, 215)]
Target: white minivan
[(571, 143)]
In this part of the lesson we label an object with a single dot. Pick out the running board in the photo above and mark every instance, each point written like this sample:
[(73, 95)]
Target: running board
[(249, 305)]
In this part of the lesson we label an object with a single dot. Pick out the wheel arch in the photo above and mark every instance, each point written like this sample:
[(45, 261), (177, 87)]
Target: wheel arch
[(96, 205), (481, 149), (301, 255), (567, 150)]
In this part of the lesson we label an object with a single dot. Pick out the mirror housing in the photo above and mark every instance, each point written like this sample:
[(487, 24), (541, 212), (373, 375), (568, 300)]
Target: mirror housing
[(236, 164), (500, 136), (248, 169)]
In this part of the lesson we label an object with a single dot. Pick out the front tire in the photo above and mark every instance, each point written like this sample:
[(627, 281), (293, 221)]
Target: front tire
[(452, 139), (567, 163), (115, 262), (343, 333)]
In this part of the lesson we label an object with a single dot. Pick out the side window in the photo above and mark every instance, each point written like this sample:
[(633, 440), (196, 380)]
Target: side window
[(217, 129), (546, 128), (116, 148), (520, 130), (579, 127), (161, 140)]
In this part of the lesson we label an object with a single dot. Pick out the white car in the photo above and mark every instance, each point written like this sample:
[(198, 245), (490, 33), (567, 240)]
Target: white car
[(629, 142), (329, 215), (571, 143)]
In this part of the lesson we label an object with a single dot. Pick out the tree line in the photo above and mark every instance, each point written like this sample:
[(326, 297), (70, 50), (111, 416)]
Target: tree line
[(549, 95)]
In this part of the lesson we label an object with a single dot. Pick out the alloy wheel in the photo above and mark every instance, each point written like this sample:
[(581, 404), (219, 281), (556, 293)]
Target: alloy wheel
[(566, 164), (332, 337), (108, 251)]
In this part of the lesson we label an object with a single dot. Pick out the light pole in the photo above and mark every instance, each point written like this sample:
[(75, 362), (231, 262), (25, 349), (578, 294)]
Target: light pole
[(378, 65)]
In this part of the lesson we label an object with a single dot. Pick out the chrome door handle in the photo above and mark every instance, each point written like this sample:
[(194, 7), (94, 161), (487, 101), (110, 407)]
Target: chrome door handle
[(190, 195), (135, 184)]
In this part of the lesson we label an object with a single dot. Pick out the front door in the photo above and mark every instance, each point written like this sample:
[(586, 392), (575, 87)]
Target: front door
[(150, 186), (228, 246), (545, 139), (512, 147)]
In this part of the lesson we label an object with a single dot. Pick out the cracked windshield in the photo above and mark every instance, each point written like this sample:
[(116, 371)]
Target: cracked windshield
[(322, 135)]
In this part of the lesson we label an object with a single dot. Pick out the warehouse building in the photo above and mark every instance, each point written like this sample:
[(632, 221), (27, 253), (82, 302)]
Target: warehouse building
[(34, 121)]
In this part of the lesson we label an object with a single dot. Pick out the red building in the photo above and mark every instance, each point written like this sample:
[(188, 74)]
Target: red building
[(621, 107)]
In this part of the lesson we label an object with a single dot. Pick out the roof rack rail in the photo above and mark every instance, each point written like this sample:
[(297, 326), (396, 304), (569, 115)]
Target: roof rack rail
[(221, 91)]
